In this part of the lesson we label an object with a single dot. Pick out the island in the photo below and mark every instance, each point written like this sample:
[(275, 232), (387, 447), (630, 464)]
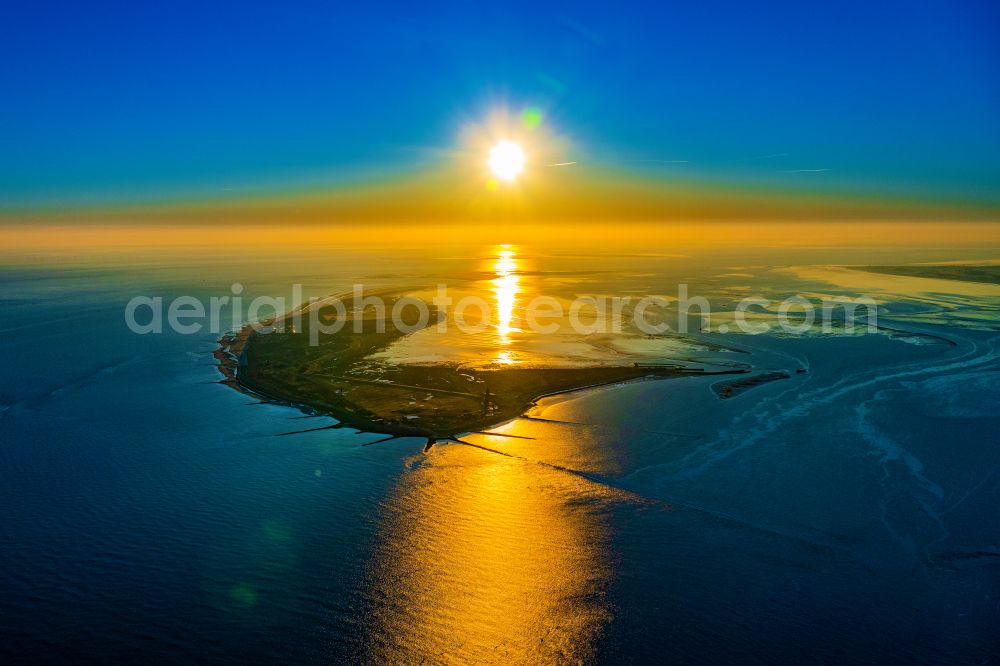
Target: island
[(441, 401), (985, 273)]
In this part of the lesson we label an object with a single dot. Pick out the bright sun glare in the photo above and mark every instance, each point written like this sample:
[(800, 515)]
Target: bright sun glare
[(506, 160)]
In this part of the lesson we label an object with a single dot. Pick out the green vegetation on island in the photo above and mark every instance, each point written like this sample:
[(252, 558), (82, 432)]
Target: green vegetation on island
[(984, 273), (439, 401)]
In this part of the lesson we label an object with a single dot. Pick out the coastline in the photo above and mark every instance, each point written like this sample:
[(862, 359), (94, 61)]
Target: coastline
[(380, 406)]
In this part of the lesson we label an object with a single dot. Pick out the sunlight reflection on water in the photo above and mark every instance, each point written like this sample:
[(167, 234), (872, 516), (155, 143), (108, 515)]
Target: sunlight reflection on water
[(489, 558), (506, 289)]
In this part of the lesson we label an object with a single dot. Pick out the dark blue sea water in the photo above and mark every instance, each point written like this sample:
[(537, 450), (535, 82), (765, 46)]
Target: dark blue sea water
[(152, 514)]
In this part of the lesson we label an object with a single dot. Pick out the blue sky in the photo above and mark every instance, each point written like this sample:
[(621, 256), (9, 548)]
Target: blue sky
[(114, 101)]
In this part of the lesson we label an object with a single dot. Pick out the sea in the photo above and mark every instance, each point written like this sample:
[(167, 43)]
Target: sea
[(844, 514)]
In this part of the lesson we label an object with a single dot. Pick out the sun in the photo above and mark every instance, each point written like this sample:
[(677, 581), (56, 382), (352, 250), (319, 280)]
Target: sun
[(506, 160)]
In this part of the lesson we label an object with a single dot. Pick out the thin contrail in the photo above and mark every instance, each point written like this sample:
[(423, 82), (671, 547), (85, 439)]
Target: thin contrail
[(561, 164)]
